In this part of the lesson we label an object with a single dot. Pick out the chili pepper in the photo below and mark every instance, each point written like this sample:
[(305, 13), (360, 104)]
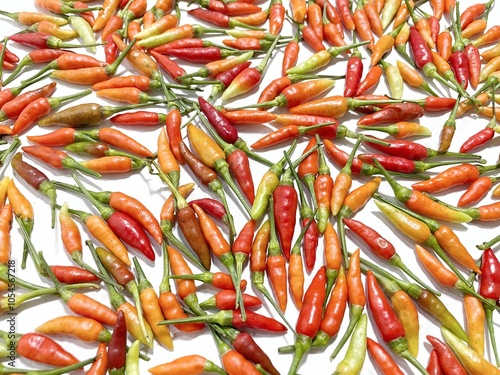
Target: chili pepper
[(93, 75), (139, 118), (457, 175), (356, 352), (370, 80), (126, 279), (334, 311), (248, 78), (39, 108), (101, 231), (59, 7), (314, 18), (422, 204), (84, 30), (408, 224), (388, 323), (110, 49), (475, 319), (189, 226), (446, 238), (276, 17), (258, 262), (225, 78), (233, 318), (489, 289), (285, 200), (192, 364), (122, 224), (35, 57), (381, 247), (57, 159), (476, 190), (412, 78), (394, 79), (168, 302), (36, 179), (5, 226), (159, 26), (275, 265), (445, 356), (444, 276), (362, 25), (490, 36), (433, 366), (393, 113), (401, 129), (481, 137), (85, 329), (309, 320), (472, 362), (219, 280), (152, 309), (458, 58), (266, 187), (109, 7), (218, 19), (424, 298), (211, 207), (23, 210), (320, 59), (242, 246), (345, 14), (52, 29), (117, 346), (335, 106), (354, 71), (101, 363), (400, 164), (333, 31), (412, 150), (323, 187), (356, 298), (382, 358), (226, 300), (114, 164), (213, 156), (44, 40), (72, 274), (166, 160), (14, 102), (30, 18), (343, 182), (443, 45), (295, 268), (43, 349), (221, 249)]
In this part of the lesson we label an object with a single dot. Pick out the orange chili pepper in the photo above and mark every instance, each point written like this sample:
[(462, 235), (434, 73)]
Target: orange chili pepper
[(100, 365), (4, 185), (373, 16), (475, 318), (436, 268), (5, 227), (356, 297), (474, 28), (166, 159), (112, 164), (443, 44), (490, 36), (332, 254), (109, 8), (299, 10), (151, 308), (85, 329), (139, 59), (405, 309), (438, 8)]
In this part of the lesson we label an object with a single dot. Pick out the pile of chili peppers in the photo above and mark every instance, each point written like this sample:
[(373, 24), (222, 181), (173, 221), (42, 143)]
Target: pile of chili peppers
[(210, 158)]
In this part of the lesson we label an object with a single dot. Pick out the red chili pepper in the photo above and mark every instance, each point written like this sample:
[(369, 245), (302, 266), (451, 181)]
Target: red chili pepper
[(221, 125), (447, 360), (354, 72), (171, 67), (387, 322), (393, 113), (285, 211), (73, 275), (382, 358), (117, 347), (309, 319), (433, 367)]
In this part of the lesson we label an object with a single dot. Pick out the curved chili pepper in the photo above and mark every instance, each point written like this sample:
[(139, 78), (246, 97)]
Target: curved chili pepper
[(192, 363)]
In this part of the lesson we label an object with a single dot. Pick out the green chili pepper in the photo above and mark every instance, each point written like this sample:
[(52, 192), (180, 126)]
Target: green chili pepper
[(394, 79), (356, 352), (84, 30)]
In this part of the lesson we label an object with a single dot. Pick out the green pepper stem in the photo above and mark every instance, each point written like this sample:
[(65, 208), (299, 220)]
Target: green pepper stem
[(105, 212), (410, 358), (491, 330)]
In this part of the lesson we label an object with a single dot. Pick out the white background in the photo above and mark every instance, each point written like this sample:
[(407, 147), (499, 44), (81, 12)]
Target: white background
[(152, 192)]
